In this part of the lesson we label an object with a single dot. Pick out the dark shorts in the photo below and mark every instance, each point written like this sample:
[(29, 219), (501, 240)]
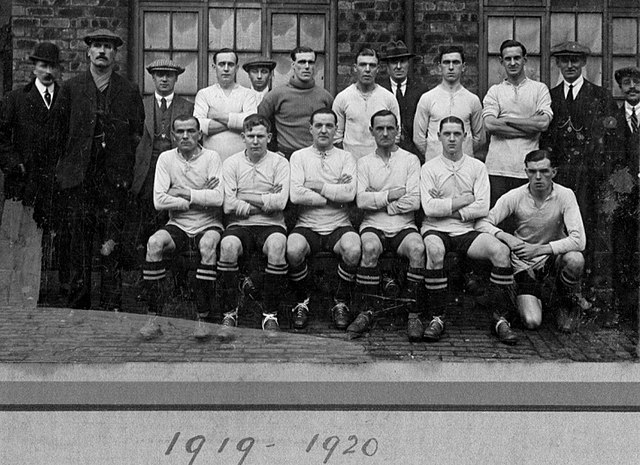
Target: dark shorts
[(322, 242), (389, 244), (531, 283), (459, 244), (253, 237), (181, 239)]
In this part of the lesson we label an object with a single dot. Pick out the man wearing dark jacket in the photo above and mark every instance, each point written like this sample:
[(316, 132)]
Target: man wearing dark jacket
[(103, 117), (398, 59)]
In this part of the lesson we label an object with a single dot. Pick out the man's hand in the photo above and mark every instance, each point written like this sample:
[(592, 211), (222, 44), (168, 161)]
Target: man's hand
[(344, 179), (220, 116), (466, 199), (276, 189), (180, 192), (435, 193), (371, 189), (212, 183), (315, 186), (526, 251), (396, 193)]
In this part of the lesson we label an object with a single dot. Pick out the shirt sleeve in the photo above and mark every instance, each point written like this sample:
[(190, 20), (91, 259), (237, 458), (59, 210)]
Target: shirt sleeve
[(301, 195), (201, 109), (339, 111), (477, 127), (421, 124), (210, 197), (161, 185), (249, 107), (232, 205), (481, 190), (395, 108), (544, 101), (576, 237), (432, 206), (343, 193), (277, 201), (368, 200), (491, 104), (410, 201)]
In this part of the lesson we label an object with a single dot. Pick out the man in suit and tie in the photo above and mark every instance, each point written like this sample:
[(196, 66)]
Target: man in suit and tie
[(160, 109), (397, 57), (624, 181), (581, 136), (103, 118)]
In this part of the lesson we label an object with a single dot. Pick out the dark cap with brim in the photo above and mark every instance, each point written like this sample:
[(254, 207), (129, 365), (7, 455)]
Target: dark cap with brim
[(165, 64), (396, 49), (103, 35), (570, 49), (629, 71), (259, 62), (46, 52)]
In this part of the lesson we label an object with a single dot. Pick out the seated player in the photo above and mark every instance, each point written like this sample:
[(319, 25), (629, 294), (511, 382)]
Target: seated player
[(323, 182), (454, 189), (549, 238), (187, 185), (256, 186), (389, 194)]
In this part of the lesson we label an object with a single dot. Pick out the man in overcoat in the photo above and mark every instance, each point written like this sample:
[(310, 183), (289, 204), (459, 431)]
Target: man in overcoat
[(103, 117)]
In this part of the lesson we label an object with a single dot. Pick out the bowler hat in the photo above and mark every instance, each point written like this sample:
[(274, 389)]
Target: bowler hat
[(47, 52), (570, 49), (259, 62), (103, 35), (629, 71), (396, 49), (165, 64)]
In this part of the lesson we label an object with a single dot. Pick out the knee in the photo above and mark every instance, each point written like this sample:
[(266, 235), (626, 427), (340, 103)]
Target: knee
[(574, 263), (208, 245), (276, 246), (371, 250), (155, 246), (500, 254), (351, 250), (295, 251), (435, 252), (416, 254), (530, 310), (229, 249)]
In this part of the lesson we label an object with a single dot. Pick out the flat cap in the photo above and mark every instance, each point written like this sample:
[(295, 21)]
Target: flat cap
[(104, 35), (396, 49), (629, 71), (259, 62), (164, 64), (47, 52), (570, 48)]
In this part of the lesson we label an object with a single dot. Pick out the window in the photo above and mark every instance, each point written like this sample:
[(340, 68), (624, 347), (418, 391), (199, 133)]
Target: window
[(610, 28), (192, 33)]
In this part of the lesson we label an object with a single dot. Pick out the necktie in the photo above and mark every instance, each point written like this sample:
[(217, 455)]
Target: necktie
[(399, 96), (634, 120), (47, 97), (163, 104)]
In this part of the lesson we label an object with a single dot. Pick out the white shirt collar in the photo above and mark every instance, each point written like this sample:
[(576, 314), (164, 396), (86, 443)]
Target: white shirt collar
[(628, 107), (394, 86), (168, 98), (41, 88), (577, 85)]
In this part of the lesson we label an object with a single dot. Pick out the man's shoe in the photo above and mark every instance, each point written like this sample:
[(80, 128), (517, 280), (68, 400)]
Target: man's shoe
[(504, 333), (341, 315), (230, 319), (434, 331), (414, 328), (270, 322), (362, 323), (301, 314), (201, 332), (151, 329)]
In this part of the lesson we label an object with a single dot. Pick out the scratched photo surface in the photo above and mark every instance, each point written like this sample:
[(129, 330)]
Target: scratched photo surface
[(75, 224)]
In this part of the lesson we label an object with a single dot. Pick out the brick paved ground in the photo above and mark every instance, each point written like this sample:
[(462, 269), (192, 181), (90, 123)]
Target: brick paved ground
[(47, 334)]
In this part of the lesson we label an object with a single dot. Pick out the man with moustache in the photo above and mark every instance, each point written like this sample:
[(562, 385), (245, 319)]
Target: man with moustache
[(260, 72), (222, 107), (397, 58), (103, 119), (290, 106), (160, 109), (357, 103)]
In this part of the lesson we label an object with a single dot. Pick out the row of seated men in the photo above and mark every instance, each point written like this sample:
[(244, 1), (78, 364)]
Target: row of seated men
[(252, 188)]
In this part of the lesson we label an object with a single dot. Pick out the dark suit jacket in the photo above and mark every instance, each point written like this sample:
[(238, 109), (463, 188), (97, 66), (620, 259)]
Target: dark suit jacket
[(408, 112), (29, 135), (628, 156), (144, 165), (123, 129)]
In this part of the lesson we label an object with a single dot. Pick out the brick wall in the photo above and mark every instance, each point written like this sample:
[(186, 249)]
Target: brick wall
[(64, 22), (375, 22)]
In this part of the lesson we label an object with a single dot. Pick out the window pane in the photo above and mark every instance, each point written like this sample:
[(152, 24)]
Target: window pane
[(185, 31), (283, 69), (150, 57), (312, 32), (617, 64), (156, 30), (590, 31), (320, 64), (499, 29), (532, 68), (528, 32), (284, 32), (248, 32), (625, 30), (496, 71), (220, 28), (593, 70), (188, 81), (563, 28)]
